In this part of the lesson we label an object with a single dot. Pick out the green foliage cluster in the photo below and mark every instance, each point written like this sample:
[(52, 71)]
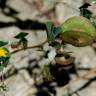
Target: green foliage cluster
[(78, 30), (4, 60), (22, 39)]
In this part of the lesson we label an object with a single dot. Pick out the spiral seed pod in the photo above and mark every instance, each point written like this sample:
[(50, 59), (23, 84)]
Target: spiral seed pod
[(78, 31), (63, 59), (64, 63)]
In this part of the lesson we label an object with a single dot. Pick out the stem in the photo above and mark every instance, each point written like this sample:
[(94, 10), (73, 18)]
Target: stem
[(2, 79), (29, 47), (2, 76)]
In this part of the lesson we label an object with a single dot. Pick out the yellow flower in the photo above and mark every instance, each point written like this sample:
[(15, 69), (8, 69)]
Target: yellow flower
[(3, 52)]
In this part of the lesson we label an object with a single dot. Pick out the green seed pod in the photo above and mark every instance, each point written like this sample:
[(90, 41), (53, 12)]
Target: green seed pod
[(78, 31)]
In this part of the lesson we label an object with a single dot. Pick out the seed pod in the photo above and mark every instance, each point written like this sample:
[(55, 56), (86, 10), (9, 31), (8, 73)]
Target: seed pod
[(78, 31), (64, 63)]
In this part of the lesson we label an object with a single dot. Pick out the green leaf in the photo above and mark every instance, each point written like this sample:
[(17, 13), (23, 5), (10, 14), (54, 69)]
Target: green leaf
[(57, 30), (55, 44), (2, 43), (50, 34), (94, 23), (85, 5), (5, 63), (86, 13), (23, 42), (21, 35), (1, 68)]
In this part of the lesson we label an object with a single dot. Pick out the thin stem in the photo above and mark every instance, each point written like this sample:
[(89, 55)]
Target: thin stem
[(3, 83), (29, 47), (2, 79), (2, 76)]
